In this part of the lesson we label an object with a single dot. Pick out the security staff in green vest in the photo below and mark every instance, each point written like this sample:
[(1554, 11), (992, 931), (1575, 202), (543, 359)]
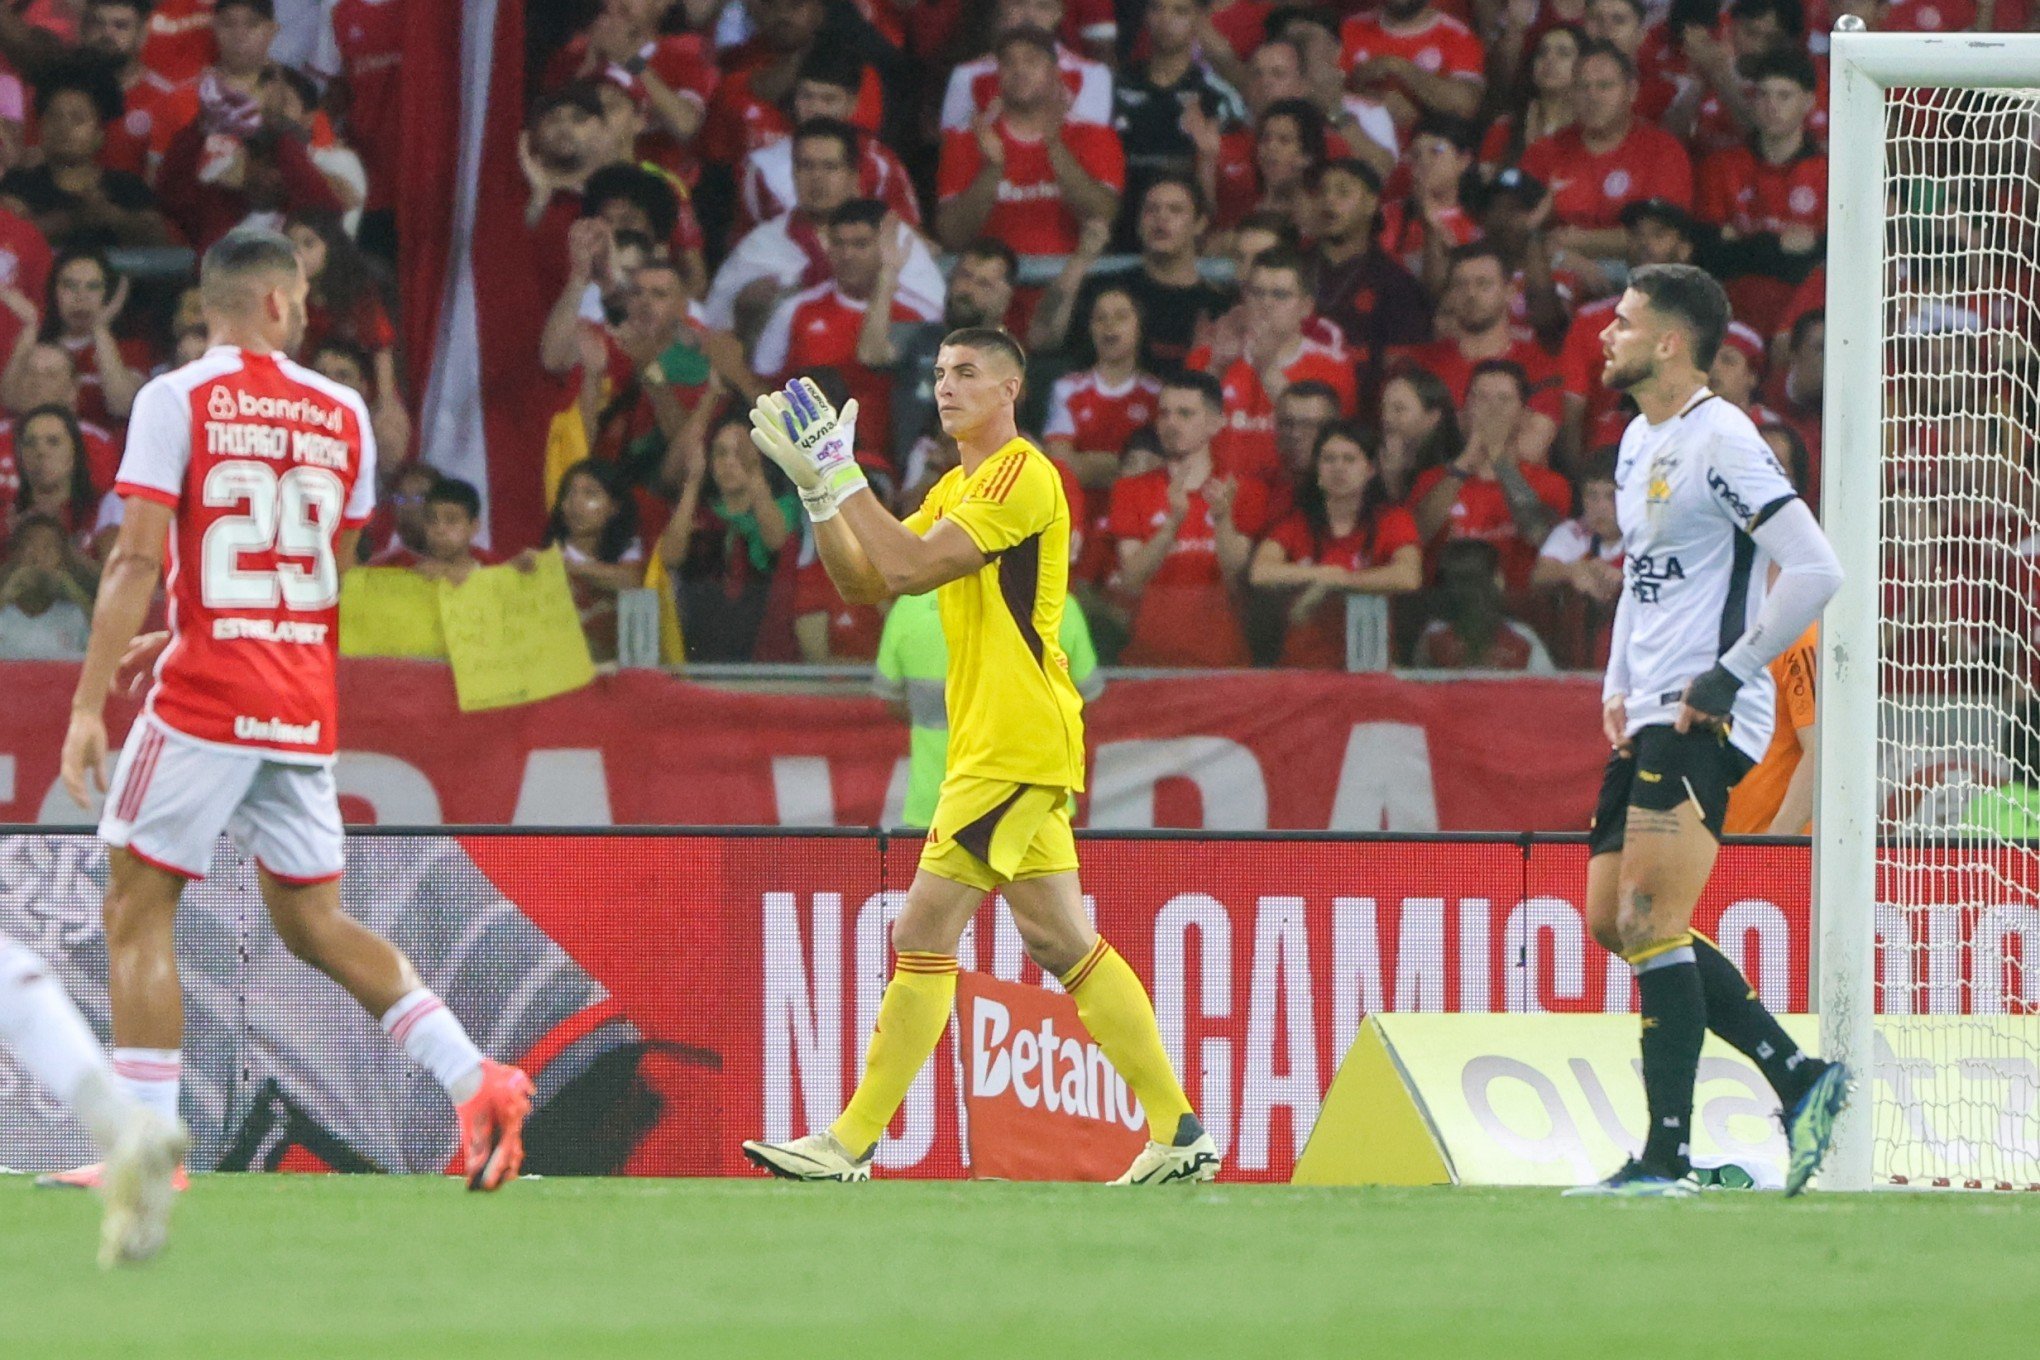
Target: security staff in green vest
[(913, 662)]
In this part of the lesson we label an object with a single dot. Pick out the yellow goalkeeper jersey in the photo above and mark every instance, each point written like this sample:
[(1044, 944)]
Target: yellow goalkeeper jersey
[(1014, 712)]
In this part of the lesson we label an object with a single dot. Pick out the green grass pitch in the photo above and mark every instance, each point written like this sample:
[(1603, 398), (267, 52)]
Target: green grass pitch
[(297, 1267)]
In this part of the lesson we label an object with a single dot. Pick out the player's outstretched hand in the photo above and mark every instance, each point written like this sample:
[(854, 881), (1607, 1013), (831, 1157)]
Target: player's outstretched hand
[(84, 757), (138, 662)]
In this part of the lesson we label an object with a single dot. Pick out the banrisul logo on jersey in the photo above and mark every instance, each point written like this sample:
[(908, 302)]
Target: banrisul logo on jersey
[(220, 405)]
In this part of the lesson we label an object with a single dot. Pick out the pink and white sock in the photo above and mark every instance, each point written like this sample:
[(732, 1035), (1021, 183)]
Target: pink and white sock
[(429, 1034), (150, 1077)]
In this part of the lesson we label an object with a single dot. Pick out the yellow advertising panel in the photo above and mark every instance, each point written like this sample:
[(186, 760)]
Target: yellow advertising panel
[(514, 636), (390, 611), (1558, 1100)]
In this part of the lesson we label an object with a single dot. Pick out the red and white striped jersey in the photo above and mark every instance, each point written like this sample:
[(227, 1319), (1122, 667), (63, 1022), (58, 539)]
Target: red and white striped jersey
[(265, 463)]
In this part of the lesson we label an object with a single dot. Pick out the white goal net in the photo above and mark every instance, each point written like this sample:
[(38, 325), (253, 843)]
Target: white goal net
[(1951, 1088)]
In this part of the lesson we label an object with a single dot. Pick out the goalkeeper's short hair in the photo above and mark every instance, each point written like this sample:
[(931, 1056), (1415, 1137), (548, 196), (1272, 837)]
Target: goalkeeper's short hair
[(994, 338)]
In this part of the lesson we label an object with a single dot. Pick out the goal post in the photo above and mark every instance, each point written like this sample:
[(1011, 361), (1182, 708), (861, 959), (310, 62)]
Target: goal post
[(1932, 149)]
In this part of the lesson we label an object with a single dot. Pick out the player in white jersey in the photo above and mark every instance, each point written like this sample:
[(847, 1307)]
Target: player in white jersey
[(52, 1042), (256, 475), (1705, 510)]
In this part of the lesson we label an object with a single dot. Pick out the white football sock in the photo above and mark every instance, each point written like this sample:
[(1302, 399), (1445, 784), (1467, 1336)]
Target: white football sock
[(149, 1076), (53, 1043), (428, 1032)]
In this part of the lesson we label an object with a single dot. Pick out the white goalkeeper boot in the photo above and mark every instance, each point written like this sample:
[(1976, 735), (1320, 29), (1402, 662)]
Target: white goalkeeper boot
[(817, 1157), (1192, 1158)]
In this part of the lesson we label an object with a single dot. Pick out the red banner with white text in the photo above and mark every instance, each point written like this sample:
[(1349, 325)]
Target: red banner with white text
[(1232, 752), (1263, 958), (673, 995)]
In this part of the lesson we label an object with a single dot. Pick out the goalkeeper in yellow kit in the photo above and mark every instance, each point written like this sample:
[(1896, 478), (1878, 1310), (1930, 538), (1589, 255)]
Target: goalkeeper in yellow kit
[(993, 537)]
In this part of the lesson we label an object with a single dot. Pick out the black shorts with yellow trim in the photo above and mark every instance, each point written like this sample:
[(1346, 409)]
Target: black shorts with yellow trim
[(989, 832), (1665, 769)]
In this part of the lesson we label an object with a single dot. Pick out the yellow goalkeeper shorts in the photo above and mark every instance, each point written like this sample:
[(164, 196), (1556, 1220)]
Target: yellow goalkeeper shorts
[(986, 832)]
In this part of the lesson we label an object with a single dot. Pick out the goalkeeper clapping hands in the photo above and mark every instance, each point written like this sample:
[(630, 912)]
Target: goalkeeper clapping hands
[(813, 443)]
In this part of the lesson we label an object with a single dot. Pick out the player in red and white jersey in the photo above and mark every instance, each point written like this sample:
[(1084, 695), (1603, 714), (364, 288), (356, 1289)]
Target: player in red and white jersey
[(256, 475)]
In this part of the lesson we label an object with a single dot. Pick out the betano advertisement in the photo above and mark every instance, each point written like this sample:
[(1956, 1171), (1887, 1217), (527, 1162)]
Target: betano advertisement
[(673, 995)]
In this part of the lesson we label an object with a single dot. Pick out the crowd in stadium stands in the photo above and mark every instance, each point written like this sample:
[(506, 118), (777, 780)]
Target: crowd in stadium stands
[(1313, 292)]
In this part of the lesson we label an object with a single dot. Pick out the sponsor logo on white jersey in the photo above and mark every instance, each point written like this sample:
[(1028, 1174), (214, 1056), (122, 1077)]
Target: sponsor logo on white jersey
[(225, 404)]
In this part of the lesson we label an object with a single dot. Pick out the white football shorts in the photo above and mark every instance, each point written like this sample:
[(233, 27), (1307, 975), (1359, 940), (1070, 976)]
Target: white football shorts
[(173, 795)]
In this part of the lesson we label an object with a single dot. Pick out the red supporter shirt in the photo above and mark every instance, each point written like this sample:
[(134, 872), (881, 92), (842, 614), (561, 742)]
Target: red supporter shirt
[(1442, 46), (1590, 191), (975, 84), (818, 328), (180, 42), (1742, 191), (1320, 641), (1581, 361), (91, 389), (1439, 648), (25, 261), (683, 64), (1096, 417), (853, 628), (1482, 512), (1403, 228), (765, 189), (1029, 214), (1809, 296), (1443, 357), (630, 410), (367, 50), (266, 464), (1246, 446), (156, 111), (366, 324), (739, 122), (1184, 617)]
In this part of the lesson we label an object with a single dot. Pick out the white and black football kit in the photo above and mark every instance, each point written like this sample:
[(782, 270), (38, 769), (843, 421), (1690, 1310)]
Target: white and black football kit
[(1705, 510)]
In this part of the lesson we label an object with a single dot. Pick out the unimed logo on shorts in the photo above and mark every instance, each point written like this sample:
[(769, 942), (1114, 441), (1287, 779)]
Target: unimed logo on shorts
[(1043, 1103)]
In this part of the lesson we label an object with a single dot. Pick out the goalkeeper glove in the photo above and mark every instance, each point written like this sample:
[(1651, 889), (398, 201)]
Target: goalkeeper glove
[(812, 442), (1713, 694)]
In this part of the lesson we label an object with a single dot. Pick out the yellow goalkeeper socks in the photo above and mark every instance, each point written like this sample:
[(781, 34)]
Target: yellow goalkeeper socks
[(1115, 1008), (911, 1017)]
